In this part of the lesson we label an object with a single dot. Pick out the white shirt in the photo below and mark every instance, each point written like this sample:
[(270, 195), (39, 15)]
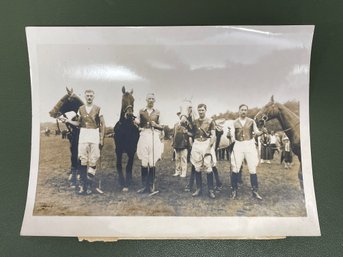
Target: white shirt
[(273, 139)]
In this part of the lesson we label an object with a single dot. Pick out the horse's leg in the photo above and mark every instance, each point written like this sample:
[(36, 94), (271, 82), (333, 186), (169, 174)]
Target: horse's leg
[(189, 186), (219, 184), (222, 154), (129, 165), (119, 154), (73, 140), (227, 152)]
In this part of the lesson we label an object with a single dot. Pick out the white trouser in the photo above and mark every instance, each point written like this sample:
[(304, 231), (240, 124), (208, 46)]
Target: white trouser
[(181, 162), (89, 153), (200, 158), (244, 150), (150, 147)]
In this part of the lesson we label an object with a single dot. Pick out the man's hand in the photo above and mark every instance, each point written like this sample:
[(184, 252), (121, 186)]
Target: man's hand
[(63, 119), (153, 124), (136, 121)]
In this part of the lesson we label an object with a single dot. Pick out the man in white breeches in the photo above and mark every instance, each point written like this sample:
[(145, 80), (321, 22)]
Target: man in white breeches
[(91, 140), (150, 146), (203, 154), (244, 131)]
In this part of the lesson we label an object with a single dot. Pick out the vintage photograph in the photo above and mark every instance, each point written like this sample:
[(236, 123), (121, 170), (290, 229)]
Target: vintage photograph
[(204, 127)]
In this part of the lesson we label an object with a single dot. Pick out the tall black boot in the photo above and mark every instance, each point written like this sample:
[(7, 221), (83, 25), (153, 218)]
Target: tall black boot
[(152, 181), (234, 184), (144, 174), (189, 186), (210, 185), (239, 178), (148, 180), (254, 186), (83, 179), (198, 181), (219, 185)]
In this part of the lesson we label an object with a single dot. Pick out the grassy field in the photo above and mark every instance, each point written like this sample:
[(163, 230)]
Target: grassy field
[(282, 195)]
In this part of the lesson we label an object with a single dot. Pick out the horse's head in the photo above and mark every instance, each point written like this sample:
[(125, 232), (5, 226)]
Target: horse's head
[(69, 102), (186, 111), (267, 112), (127, 102)]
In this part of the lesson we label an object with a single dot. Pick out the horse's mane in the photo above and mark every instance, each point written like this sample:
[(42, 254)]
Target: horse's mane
[(284, 107)]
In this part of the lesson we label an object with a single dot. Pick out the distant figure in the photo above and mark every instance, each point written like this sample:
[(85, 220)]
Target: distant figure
[(47, 132), (64, 133), (287, 152), (274, 143), (266, 153), (181, 142)]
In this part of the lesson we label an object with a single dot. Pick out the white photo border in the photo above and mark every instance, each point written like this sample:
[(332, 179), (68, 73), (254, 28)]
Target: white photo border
[(159, 227)]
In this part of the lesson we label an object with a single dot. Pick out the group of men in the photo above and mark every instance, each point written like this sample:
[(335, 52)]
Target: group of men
[(202, 138), (203, 158)]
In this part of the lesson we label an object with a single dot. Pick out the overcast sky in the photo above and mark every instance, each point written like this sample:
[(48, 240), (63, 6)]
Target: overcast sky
[(220, 66)]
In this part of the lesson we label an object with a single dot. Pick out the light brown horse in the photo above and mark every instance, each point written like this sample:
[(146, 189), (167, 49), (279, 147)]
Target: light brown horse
[(289, 122)]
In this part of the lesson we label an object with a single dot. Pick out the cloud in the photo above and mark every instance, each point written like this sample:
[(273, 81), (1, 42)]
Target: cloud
[(104, 72), (160, 65), (300, 69)]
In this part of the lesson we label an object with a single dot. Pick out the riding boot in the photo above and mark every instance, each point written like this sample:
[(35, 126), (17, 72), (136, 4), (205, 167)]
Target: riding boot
[(239, 178), (254, 186), (152, 179), (144, 173), (198, 181), (83, 179), (234, 184), (189, 186), (210, 185), (149, 180), (219, 185)]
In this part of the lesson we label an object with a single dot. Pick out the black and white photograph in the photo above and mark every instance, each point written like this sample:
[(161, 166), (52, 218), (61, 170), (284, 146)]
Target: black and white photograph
[(170, 132)]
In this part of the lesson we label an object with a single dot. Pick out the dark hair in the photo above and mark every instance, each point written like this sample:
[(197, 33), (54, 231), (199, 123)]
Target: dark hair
[(242, 106), (202, 105)]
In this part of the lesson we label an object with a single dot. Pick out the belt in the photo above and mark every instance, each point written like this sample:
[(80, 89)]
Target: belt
[(201, 139)]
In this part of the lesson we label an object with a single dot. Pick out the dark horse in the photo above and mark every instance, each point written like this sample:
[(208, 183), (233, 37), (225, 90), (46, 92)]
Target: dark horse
[(289, 122), (126, 135), (69, 102)]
